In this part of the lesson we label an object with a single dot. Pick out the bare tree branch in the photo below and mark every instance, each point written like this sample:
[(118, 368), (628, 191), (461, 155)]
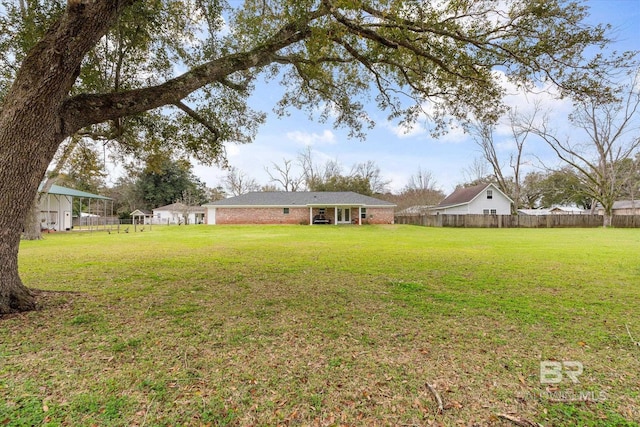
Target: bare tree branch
[(284, 176), (612, 130)]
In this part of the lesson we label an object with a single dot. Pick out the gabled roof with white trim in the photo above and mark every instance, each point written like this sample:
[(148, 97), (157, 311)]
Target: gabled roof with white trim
[(464, 196)]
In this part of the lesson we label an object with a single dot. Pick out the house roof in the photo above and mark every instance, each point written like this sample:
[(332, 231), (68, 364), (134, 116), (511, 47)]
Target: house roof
[(626, 204), (567, 209), (538, 212), (140, 212), (64, 191), (301, 198), (548, 211), (180, 207), (622, 204), (462, 196), (416, 210)]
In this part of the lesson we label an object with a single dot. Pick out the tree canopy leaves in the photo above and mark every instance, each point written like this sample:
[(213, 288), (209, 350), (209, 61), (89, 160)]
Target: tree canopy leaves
[(199, 61)]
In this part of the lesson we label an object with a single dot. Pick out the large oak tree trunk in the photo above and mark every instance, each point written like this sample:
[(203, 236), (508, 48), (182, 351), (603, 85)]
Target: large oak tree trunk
[(30, 132), (32, 226), (28, 137), (32, 127), (14, 296)]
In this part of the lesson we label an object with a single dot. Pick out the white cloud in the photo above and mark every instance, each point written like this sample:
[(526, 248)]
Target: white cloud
[(306, 138), (455, 135), (232, 150), (547, 97), (404, 130)]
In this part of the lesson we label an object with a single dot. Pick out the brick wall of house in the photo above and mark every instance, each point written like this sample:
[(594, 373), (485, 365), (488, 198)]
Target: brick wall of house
[(262, 216), (295, 215), (377, 216)]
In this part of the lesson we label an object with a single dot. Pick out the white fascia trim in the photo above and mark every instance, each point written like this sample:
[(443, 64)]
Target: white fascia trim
[(254, 206), (337, 205)]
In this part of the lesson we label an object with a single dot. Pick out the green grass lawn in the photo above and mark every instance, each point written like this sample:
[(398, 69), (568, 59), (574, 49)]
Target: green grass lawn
[(325, 325)]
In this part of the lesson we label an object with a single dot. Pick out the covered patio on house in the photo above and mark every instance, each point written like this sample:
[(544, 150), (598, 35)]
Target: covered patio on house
[(336, 214)]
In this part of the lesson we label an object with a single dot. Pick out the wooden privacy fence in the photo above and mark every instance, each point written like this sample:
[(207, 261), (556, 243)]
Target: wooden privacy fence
[(517, 221)]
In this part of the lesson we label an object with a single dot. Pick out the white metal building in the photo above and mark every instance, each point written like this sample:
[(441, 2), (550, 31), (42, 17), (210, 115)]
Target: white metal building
[(57, 207)]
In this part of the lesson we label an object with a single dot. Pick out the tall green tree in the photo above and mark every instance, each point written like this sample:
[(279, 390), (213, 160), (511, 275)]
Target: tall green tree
[(630, 170), (328, 54), (561, 187), (169, 182), (532, 190)]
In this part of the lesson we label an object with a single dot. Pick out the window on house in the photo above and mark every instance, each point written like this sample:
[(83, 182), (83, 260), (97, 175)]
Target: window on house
[(363, 213), (494, 212), (285, 211), (489, 194), (485, 211), (321, 211)]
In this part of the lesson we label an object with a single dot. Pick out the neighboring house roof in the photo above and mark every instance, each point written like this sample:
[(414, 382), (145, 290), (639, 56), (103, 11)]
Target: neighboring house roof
[(416, 210), (623, 204), (463, 196), (533, 211), (555, 209), (64, 191), (180, 207), (566, 209), (301, 198)]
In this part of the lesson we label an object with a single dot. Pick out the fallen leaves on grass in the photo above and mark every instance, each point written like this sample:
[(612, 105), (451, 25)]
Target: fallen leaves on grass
[(521, 422)]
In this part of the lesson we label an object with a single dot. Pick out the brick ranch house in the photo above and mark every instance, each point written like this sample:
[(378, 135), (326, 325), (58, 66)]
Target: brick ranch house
[(305, 207)]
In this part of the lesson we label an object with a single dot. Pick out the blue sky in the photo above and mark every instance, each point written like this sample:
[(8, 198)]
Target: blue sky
[(399, 155)]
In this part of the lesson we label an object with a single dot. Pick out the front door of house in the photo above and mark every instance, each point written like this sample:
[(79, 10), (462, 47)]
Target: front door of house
[(344, 216)]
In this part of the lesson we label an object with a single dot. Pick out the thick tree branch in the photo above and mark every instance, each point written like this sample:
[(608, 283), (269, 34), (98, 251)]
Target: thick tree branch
[(240, 87), (97, 108), (198, 118)]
